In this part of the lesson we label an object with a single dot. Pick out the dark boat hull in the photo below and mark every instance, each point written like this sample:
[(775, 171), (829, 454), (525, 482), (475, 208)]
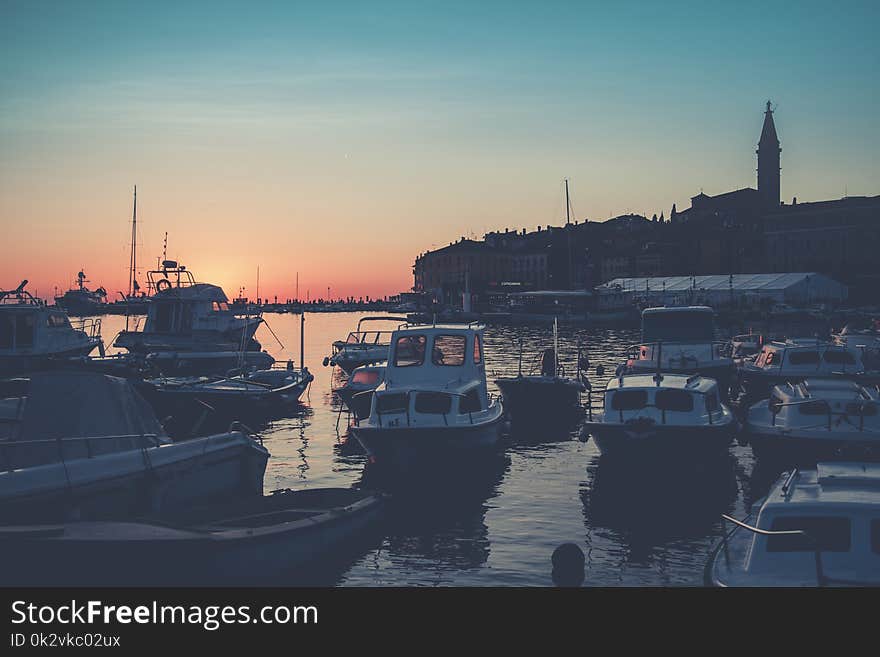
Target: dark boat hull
[(534, 399), (259, 540)]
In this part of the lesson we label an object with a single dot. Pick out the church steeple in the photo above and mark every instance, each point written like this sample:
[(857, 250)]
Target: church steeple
[(768, 161)]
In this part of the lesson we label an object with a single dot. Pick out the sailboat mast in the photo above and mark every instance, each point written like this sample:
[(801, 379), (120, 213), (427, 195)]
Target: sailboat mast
[(567, 205), (132, 265)]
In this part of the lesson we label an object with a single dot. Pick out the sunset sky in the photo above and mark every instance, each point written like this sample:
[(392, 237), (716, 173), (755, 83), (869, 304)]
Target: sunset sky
[(340, 140)]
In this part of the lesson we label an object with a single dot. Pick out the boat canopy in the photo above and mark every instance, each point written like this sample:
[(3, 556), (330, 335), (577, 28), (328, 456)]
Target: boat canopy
[(64, 405)]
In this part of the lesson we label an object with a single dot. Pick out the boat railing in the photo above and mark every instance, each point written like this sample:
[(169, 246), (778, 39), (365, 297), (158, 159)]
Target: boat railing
[(862, 405), (91, 326), (7, 447), (821, 579)]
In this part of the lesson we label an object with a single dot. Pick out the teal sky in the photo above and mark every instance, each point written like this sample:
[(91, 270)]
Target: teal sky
[(409, 124)]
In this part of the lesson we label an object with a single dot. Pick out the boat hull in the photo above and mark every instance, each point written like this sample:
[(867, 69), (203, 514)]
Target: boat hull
[(174, 553), (802, 449), (120, 483), (21, 363), (658, 440), (537, 399), (401, 448)]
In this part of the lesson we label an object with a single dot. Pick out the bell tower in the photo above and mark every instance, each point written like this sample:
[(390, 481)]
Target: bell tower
[(768, 161)]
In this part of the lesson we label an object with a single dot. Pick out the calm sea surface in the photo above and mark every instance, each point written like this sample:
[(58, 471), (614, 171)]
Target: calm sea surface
[(499, 522)]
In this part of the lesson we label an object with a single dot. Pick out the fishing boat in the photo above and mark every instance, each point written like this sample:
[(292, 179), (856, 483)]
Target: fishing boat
[(80, 300), (816, 527), (816, 418), (187, 316), (362, 347), (687, 336), (189, 401), (796, 359), (33, 335), (434, 402), (663, 414), (357, 393), (545, 394), (254, 540), (84, 445)]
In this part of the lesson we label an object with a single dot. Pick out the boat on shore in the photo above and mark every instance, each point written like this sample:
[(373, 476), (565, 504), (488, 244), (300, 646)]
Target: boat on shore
[(434, 402), (84, 445), (256, 540), (664, 414), (816, 419), (34, 335), (816, 527)]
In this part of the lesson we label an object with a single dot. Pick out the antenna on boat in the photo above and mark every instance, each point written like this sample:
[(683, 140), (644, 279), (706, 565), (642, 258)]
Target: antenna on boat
[(658, 377), (132, 266), (556, 339), (302, 340)]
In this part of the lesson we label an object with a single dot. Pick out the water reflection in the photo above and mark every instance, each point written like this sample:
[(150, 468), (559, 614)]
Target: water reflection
[(649, 506), (436, 519)]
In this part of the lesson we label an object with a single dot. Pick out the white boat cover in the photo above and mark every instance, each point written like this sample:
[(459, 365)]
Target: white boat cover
[(69, 404)]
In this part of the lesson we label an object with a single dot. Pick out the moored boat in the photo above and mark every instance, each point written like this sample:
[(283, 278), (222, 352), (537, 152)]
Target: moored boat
[(434, 402), (664, 414), (80, 300), (84, 445), (357, 393), (816, 527), (362, 347), (814, 419), (681, 340), (34, 335), (247, 541)]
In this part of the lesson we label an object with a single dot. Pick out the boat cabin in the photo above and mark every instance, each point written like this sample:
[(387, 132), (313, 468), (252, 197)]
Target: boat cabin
[(29, 326), (836, 507), (690, 324), (807, 357), (824, 403), (665, 399), (435, 370)]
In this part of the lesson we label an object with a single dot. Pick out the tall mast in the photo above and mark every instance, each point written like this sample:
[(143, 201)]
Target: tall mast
[(570, 272), (132, 266), (567, 205)]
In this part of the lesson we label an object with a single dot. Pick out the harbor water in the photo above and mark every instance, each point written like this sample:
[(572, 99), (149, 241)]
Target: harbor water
[(496, 523)]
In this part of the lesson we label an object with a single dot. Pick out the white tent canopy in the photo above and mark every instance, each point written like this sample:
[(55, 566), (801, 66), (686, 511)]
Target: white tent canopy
[(724, 289)]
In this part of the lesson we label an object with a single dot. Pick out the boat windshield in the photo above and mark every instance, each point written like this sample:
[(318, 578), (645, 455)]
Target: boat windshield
[(409, 351), (365, 377), (678, 327)]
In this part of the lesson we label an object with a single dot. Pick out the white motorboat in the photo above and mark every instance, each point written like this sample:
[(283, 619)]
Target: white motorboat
[(796, 359), (681, 340), (362, 347), (33, 334), (85, 445), (816, 418), (434, 402), (816, 527), (186, 316), (662, 414)]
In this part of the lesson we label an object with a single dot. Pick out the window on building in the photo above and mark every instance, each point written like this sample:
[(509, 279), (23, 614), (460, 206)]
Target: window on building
[(409, 351)]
